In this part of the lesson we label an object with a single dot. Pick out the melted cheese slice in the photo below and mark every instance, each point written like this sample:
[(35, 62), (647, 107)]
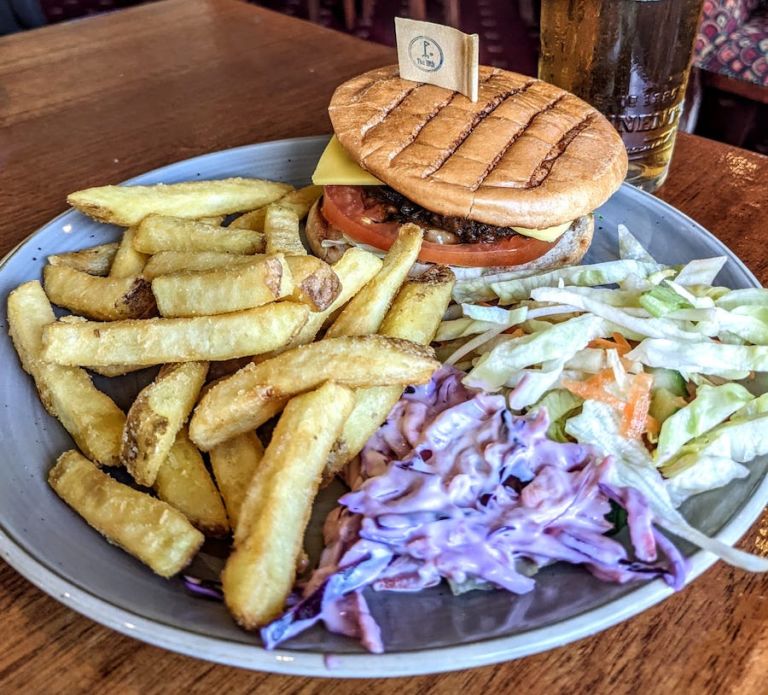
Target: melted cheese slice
[(549, 234), (337, 168)]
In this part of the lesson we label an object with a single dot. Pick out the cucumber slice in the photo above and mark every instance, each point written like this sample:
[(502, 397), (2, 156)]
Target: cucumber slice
[(670, 380), (663, 404)]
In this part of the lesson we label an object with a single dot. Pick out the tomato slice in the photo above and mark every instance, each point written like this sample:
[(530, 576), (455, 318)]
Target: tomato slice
[(344, 208)]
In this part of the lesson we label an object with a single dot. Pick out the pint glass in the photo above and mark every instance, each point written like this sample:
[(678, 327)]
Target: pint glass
[(630, 59)]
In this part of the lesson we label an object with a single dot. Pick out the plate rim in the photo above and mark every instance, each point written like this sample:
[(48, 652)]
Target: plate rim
[(365, 665)]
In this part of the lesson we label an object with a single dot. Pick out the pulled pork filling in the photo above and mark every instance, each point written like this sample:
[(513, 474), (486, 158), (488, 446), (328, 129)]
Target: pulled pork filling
[(395, 207)]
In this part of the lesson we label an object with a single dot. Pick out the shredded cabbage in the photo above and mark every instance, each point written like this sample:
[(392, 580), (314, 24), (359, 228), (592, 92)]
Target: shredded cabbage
[(698, 302), (622, 298), (531, 384), (559, 341), (558, 403), (583, 275), (495, 314), (740, 440), (660, 301), (701, 357), (751, 296), (701, 271), (598, 425), (653, 327), (709, 473), (462, 328), (756, 406), (630, 248), (712, 405), (589, 360)]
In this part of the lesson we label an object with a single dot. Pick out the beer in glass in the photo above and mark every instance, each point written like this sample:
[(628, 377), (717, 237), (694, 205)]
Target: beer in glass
[(630, 59)]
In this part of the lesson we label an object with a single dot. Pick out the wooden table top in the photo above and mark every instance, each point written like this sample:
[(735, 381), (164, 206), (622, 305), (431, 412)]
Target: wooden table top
[(100, 100)]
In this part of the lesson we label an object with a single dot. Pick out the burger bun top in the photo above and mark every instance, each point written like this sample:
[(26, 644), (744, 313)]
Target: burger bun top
[(526, 154)]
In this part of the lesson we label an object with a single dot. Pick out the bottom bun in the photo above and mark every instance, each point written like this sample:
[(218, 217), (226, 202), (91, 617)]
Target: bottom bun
[(328, 243)]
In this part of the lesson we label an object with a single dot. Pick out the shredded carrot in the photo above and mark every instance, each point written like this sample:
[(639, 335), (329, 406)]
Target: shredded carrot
[(515, 332), (634, 410), (587, 391), (602, 344), (635, 414), (603, 377), (622, 342), (652, 425), (617, 342), (627, 364)]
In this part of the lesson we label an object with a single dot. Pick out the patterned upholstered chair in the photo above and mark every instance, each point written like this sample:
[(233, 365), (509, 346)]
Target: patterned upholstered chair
[(733, 40), (731, 54)]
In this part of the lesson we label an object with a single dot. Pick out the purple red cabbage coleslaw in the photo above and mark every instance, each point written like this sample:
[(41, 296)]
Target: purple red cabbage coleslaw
[(455, 486)]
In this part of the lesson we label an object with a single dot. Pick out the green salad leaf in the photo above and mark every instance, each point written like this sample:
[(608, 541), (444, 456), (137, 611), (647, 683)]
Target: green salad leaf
[(709, 473), (558, 342), (741, 440), (598, 425), (756, 406), (661, 300), (630, 248), (531, 384), (712, 405), (653, 327), (701, 271), (701, 357), (462, 328), (511, 291), (559, 404), (750, 296)]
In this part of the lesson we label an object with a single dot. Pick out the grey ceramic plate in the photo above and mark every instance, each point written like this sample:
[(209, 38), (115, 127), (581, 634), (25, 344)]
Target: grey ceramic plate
[(428, 632)]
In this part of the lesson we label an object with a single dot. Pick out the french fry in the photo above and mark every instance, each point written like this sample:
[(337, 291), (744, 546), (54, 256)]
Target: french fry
[(158, 233), (90, 416), (96, 260), (232, 288), (259, 574), (128, 262), (300, 201), (354, 270), (171, 262), (415, 315), (315, 282), (418, 309), (253, 220), (250, 397), (217, 220), (364, 314), (160, 341), (281, 229), (103, 299), (156, 416), (128, 205), (114, 370), (234, 462), (150, 530), (184, 482)]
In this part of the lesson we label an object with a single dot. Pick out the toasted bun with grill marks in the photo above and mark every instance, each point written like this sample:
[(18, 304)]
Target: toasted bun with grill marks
[(526, 154)]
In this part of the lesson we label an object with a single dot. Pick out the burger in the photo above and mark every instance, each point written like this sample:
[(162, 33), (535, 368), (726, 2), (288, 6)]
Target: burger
[(508, 181)]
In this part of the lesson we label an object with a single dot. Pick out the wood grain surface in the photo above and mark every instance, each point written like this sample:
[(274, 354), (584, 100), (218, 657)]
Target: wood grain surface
[(103, 99)]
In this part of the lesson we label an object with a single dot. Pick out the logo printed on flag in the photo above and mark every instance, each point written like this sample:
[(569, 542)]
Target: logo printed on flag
[(438, 55), (425, 53)]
